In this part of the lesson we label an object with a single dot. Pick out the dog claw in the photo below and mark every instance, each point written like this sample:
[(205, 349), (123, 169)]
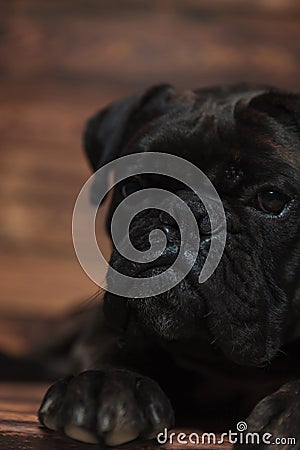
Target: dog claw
[(80, 434), (121, 436)]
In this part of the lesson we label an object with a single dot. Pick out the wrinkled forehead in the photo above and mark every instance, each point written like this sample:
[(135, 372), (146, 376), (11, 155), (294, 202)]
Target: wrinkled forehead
[(220, 135)]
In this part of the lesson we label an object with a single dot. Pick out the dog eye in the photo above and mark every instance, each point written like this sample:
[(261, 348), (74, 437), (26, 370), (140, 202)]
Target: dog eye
[(133, 185), (272, 202)]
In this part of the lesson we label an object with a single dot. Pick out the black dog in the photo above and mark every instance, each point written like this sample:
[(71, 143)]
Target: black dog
[(228, 342)]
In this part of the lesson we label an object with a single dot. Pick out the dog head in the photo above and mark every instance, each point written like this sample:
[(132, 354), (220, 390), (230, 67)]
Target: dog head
[(247, 141)]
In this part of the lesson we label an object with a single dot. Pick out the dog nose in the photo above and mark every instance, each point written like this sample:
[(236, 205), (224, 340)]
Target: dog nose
[(170, 225)]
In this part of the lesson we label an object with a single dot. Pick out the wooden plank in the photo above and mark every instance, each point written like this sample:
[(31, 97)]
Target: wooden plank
[(42, 169), (41, 285), (201, 48)]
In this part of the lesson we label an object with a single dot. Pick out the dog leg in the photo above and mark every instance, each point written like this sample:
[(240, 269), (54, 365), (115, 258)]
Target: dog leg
[(277, 420)]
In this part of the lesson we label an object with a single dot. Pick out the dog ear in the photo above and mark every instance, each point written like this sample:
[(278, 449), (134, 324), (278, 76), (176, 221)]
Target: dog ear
[(110, 130), (280, 105)]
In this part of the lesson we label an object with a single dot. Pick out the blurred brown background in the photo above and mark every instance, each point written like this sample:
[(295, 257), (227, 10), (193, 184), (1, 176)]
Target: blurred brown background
[(62, 60)]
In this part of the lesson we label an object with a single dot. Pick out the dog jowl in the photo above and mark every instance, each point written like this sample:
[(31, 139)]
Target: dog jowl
[(242, 323)]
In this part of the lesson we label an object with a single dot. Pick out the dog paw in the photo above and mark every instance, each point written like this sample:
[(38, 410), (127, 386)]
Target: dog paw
[(276, 419), (115, 407)]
